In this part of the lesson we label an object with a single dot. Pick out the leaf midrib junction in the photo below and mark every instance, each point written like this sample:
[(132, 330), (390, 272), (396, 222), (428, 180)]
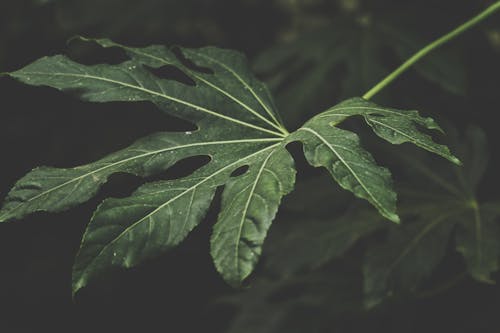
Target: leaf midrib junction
[(245, 84), (155, 93), (124, 232), (274, 124), (137, 157)]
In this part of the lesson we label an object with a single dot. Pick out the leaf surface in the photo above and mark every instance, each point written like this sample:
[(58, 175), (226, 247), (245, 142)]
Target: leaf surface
[(341, 153), (237, 127), (158, 216), (44, 188), (55, 189), (355, 170), (393, 125), (433, 211), (249, 204), (477, 239), (404, 260)]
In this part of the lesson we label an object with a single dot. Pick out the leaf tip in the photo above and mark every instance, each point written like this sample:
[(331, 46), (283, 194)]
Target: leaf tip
[(4, 216), (455, 160), (394, 218), (75, 287)]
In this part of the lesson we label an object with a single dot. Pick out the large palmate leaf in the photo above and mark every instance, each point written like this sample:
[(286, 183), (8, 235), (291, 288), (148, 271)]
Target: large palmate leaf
[(159, 215), (434, 208), (238, 128)]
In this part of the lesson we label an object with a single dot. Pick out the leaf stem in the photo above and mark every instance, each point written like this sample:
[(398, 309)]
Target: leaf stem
[(438, 42)]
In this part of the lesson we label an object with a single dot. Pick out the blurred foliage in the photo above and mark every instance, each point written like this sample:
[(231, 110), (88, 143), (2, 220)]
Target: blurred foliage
[(319, 261), (311, 289), (438, 203), (349, 55)]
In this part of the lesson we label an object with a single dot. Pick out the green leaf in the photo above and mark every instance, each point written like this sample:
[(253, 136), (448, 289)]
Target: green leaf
[(406, 258), (237, 127), (432, 209), (158, 216), (477, 239), (475, 150), (54, 190), (131, 81), (304, 244), (355, 170), (393, 125), (353, 167), (265, 307), (249, 204), (206, 104)]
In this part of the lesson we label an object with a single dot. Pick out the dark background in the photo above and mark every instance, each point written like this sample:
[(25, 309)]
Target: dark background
[(178, 292)]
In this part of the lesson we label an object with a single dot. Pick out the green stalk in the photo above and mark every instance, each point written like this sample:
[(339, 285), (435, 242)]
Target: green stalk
[(438, 42)]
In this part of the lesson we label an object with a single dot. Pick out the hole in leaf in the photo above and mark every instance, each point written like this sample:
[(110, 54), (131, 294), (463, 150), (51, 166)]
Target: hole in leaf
[(354, 124), (213, 211), (240, 171), (189, 63), (296, 150), (120, 185), (170, 72), (93, 54), (186, 167)]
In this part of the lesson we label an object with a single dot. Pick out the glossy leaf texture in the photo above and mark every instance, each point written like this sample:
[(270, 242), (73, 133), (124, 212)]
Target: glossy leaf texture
[(342, 154), (251, 201), (237, 127)]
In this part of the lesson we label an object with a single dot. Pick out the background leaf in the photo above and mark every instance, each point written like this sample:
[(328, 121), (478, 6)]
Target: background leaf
[(407, 257)]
